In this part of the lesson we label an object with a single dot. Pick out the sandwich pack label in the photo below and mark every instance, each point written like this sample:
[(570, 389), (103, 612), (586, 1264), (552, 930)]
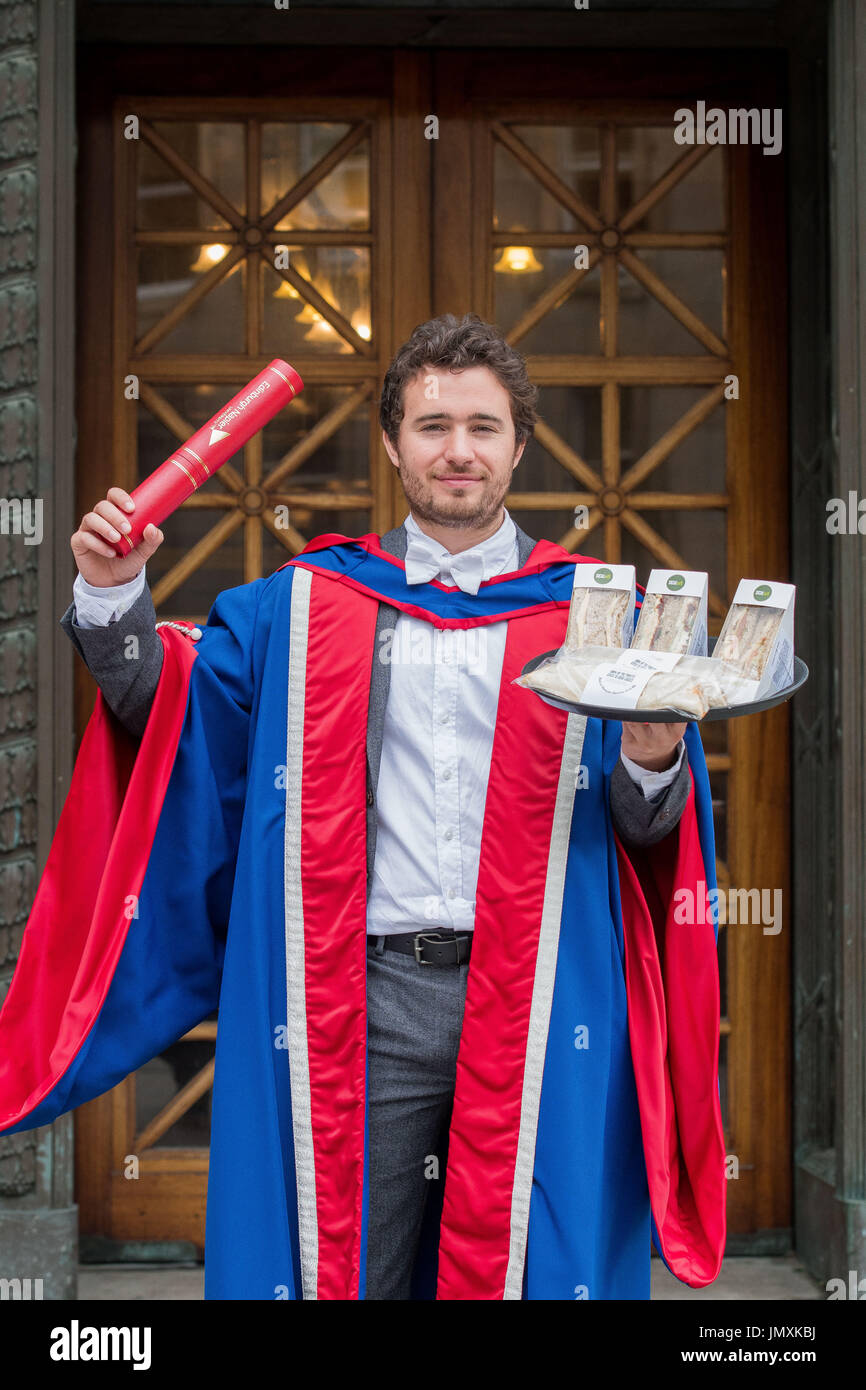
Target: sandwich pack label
[(619, 684), (604, 576)]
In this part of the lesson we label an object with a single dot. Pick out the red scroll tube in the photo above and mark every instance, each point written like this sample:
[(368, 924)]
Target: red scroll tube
[(205, 451)]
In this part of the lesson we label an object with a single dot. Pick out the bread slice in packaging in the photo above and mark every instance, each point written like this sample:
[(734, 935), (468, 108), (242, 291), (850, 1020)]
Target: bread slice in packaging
[(605, 677), (601, 612), (757, 636), (673, 615)]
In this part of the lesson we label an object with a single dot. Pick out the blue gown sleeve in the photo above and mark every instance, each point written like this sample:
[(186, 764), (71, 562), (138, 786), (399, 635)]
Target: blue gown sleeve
[(123, 950)]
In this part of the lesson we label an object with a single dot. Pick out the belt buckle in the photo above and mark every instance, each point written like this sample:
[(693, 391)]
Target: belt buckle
[(420, 936), (436, 939)]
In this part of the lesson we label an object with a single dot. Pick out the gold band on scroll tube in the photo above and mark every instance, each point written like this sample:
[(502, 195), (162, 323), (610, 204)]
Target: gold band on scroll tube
[(197, 458), (284, 378), (177, 463)]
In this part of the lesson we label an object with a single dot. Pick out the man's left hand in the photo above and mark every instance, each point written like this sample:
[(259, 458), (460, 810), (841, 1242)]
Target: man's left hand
[(652, 745)]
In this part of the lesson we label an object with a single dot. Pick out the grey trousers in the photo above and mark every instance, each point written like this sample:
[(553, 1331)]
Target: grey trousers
[(414, 1019)]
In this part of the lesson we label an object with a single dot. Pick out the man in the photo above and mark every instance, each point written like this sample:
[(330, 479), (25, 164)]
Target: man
[(390, 782)]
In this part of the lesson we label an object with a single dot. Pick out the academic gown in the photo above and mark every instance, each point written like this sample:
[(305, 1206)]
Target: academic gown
[(221, 863)]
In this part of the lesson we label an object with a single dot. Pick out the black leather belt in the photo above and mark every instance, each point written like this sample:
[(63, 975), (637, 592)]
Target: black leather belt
[(434, 947)]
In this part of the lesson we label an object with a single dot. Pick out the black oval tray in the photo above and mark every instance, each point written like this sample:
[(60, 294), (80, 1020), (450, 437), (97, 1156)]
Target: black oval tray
[(669, 716)]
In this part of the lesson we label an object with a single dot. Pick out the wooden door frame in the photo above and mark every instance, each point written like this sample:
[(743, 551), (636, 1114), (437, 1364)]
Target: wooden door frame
[(465, 86)]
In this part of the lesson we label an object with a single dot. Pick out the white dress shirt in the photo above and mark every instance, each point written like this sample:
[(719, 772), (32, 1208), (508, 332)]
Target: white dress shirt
[(437, 741), (97, 607)]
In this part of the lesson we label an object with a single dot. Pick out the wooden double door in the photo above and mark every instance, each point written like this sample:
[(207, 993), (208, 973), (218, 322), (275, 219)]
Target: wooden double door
[(271, 204)]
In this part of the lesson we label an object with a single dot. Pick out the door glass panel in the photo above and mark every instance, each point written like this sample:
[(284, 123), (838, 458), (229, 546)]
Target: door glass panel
[(341, 275), (340, 200), (166, 200), (696, 203), (697, 463), (572, 326), (572, 152), (648, 326), (215, 323), (224, 568), (574, 413), (521, 202), (339, 464), (695, 466), (289, 150), (213, 148), (697, 536)]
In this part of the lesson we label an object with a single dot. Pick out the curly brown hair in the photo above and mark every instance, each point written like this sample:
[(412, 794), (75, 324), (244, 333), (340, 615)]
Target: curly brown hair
[(455, 343)]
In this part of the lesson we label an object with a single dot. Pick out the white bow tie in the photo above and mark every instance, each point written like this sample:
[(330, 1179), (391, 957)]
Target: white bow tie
[(466, 569)]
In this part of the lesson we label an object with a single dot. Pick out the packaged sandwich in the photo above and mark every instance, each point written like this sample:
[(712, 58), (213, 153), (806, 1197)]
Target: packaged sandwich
[(753, 657), (601, 612), (673, 615), (758, 636)]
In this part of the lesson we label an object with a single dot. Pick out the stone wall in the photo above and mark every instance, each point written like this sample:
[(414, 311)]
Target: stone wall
[(38, 1227)]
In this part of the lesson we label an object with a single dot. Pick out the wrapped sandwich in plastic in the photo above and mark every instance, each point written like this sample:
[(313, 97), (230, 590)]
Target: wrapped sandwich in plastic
[(687, 686)]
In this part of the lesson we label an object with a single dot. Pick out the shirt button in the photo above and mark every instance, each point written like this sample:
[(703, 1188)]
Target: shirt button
[(451, 893), (446, 774), (449, 835), (369, 797), (443, 719)]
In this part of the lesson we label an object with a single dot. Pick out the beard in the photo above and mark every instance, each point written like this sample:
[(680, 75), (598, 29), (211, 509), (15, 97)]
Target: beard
[(476, 508)]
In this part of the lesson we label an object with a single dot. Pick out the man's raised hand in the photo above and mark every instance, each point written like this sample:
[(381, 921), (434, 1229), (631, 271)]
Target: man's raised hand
[(98, 561)]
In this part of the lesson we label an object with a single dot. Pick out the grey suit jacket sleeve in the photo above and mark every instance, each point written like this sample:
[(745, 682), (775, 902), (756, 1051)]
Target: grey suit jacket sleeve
[(640, 822), (127, 673)]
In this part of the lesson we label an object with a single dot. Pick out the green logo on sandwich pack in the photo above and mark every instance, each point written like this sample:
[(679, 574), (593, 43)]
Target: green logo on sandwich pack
[(762, 592), (603, 576), (675, 582)]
